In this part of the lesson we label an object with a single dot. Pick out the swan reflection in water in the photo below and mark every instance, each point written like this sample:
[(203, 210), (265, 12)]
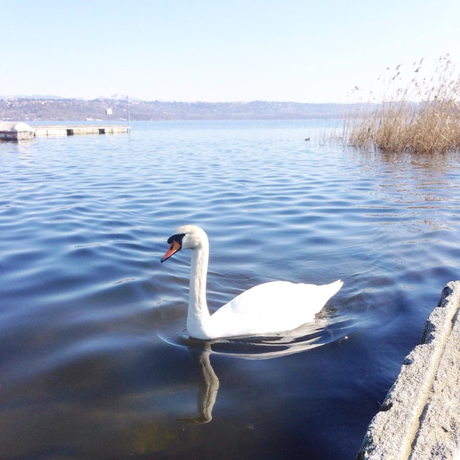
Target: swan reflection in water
[(307, 337), (208, 387)]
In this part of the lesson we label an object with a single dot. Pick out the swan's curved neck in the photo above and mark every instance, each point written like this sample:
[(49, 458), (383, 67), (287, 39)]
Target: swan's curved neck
[(198, 313)]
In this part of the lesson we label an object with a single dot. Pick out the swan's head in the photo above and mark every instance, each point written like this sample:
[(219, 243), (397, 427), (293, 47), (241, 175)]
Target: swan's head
[(185, 237)]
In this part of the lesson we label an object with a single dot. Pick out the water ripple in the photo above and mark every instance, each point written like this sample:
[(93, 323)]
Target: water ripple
[(93, 326)]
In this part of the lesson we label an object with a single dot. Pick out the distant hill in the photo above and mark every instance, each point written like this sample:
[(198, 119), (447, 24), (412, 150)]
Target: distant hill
[(59, 109), (34, 96)]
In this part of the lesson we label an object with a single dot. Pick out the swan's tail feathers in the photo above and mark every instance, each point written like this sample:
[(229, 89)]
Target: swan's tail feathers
[(334, 287)]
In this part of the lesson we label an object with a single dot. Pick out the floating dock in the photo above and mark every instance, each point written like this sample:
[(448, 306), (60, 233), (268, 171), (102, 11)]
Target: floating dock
[(17, 131), (420, 417), (78, 130)]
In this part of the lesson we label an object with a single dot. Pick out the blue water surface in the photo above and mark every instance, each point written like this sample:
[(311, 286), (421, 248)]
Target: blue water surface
[(95, 362)]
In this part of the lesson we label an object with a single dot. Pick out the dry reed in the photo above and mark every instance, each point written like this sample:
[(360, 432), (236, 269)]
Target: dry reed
[(423, 117)]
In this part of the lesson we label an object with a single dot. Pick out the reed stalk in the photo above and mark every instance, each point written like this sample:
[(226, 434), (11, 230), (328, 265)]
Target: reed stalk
[(423, 117)]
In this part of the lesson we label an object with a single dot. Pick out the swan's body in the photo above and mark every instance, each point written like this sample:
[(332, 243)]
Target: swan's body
[(265, 309)]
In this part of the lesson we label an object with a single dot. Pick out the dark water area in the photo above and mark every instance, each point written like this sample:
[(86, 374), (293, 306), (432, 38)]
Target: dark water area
[(94, 358)]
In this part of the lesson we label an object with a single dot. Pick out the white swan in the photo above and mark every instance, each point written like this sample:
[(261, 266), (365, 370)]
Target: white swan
[(265, 309)]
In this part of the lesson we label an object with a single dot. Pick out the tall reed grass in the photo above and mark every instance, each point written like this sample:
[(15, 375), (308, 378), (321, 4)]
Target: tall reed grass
[(422, 117)]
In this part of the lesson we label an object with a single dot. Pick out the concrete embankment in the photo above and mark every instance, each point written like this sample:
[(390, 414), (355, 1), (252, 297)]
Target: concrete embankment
[(420, 417)]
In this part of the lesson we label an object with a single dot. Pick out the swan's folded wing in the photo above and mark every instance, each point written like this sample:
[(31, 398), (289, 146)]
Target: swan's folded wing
[(271, 307)]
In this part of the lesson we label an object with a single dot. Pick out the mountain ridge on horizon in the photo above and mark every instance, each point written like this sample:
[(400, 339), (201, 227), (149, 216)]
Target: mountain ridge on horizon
[(61, 109), (122, 97)]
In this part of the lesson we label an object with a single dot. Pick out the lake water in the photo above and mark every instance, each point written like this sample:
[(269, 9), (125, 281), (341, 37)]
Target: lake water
[(94, 359)]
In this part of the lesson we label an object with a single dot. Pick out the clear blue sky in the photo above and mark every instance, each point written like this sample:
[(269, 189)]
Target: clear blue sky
[(217, 50)]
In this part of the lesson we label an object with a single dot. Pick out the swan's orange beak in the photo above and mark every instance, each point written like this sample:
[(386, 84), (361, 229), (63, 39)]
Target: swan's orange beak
[(173, 248)]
